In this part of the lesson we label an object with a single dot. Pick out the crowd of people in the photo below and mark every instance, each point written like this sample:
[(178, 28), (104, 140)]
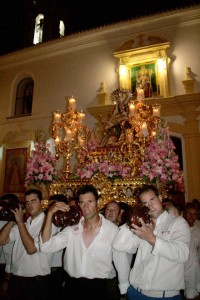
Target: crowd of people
[(101, 256)]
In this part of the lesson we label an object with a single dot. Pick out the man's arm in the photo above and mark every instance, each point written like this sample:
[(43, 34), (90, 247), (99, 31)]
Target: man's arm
[(47, 225), (26, 238), (4, 233)]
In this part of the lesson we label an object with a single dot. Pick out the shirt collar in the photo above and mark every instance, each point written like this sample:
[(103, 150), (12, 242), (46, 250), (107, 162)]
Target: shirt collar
[(36, 220), (162, 217)]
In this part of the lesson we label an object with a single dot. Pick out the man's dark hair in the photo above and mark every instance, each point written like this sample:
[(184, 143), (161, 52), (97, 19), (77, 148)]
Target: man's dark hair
[(146, 188), (58, 197), (34, 191), (191, 205), (124, 206), (10, 197), (88, 189)]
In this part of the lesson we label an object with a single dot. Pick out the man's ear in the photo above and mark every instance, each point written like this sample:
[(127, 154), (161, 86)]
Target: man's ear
[(160, 198)]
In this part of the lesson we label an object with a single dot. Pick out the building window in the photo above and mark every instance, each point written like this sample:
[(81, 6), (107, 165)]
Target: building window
[(61, 28), (38, 33), (24, 97)]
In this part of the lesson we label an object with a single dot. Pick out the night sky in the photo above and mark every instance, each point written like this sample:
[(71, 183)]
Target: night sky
[(83, 15)]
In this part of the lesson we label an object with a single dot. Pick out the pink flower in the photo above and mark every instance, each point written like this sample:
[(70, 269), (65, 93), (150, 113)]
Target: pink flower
[(109, 169), (160, 161), (41, 166)]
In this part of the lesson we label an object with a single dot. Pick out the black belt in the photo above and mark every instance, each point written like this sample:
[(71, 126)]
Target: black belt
[(38, 277)]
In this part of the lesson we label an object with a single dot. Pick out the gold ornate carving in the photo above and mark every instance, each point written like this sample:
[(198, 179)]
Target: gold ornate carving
[(117, 189)]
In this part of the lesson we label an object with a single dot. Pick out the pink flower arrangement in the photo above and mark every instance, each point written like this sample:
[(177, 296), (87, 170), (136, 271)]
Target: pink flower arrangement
[(160, 162), (110, 170), (41, 166)]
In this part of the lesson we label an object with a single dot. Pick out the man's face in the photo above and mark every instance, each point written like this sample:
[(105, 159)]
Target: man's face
[(33, 205), (88, 205), (153, 202), (191, 216), (112, 212)]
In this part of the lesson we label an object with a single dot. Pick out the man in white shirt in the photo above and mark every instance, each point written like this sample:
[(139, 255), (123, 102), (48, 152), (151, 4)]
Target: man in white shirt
[(89, 255), (112, 212), (5, 257), (192, 268), (30, 268), (163, 248), (190, 215), (57, 277)]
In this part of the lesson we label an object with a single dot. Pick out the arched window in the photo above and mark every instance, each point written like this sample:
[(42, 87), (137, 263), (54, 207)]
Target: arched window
[(61, 28), (24, 97), (38, 29)]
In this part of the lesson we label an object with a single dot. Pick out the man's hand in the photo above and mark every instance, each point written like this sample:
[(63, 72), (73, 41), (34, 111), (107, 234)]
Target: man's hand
[(19, 213), (145, 232), (57, 205)]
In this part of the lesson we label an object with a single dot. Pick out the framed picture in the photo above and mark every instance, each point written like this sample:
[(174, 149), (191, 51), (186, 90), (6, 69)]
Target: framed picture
[(144, 76), (15, 160)]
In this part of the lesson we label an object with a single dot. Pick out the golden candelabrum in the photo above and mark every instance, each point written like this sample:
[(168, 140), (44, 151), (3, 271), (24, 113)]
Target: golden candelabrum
[(129, 130), (70, 134), (123, 138)]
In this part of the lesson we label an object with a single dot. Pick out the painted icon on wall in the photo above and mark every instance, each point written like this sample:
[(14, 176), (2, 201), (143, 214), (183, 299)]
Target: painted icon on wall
[(15, 168), (144, 77)]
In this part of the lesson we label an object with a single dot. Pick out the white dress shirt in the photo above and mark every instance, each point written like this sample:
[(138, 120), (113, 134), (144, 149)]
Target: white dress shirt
[(92, 262), (160, 267), (24, 264), (6, 252), (192, 273), (57, 256), (195, 231)]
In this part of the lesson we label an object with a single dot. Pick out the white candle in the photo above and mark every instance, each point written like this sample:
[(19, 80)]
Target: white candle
[(140, 94), (57, 140), (156, 110), (131, 109), (144, 129), (56, 117), (68, 134), (81, 116), (72, 103), (81, 141)]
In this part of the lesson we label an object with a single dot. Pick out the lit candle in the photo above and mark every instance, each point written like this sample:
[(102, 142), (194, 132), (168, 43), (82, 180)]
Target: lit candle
[(57, 140), (156, 110), (140, 94), (72, 103), (144, 129), (153, 133), (81, 141), (68, 134), (131, 109), (56, 117), (81, 116)]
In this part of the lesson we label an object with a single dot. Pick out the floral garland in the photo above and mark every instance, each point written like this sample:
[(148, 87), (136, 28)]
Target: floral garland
[(41, 167), (109, 169), (160, 162)]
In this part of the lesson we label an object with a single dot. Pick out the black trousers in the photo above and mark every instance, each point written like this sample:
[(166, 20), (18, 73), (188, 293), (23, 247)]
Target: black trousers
[(56, 284), (86, 289), (28, 288)]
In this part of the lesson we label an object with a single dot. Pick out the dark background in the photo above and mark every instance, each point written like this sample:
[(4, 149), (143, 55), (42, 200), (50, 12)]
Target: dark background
[(77, 15)]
